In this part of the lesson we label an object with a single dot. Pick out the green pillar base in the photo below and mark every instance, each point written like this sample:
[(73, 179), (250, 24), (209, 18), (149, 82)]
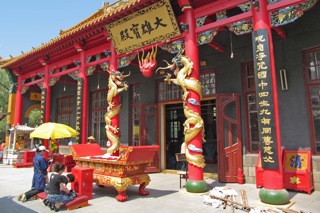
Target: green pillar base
[(274, 197), (196, 186)]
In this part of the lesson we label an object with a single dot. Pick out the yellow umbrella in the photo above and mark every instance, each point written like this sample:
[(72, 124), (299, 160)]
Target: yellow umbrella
[(53, 131)]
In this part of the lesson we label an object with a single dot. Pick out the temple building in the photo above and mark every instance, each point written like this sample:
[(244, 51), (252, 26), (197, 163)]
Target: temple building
[(247, 72)]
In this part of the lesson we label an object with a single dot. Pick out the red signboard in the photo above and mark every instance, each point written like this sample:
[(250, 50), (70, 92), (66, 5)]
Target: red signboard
[(298, 173)]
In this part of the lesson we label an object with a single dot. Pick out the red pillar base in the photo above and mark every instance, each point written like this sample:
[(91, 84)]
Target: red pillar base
[(196, 186)]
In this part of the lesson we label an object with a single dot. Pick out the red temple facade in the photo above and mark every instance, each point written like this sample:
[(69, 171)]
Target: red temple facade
[(257, 63)]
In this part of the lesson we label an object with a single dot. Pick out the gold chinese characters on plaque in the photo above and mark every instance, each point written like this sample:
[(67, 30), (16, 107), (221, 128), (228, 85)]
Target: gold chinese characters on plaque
[(147, 26)]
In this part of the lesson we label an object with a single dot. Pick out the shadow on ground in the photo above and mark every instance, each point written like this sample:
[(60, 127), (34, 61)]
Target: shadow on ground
[(132, 192), (8, 203)]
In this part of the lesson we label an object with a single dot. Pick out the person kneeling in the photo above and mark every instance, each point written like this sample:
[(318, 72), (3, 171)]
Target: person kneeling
[(57, 191)]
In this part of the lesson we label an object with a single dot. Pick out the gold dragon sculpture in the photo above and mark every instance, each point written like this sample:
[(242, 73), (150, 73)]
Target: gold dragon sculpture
[(194, 123), (115, 86)]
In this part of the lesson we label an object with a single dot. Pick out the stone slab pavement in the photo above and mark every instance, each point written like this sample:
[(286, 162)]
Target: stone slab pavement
[(165, 196)]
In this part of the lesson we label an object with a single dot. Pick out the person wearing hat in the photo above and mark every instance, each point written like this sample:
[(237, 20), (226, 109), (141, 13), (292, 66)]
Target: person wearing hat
[(40, 173), (91, 139)]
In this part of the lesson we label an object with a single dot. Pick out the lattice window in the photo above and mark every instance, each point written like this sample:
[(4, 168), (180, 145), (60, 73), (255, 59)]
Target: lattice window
[(135, 114), (312, 72), (99, 107), (251, 107), (65, 109), (171, 92)]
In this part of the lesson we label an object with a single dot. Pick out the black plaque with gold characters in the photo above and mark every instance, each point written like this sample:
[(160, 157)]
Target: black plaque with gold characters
[(79, 107), (264, 99), (43, 105)]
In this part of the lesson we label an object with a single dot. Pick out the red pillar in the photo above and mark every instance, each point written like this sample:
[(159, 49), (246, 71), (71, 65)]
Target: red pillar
[(273, 178), (195, 182), (261, 21), (114, 66), (18, 104), (82, 74), (48, 98)]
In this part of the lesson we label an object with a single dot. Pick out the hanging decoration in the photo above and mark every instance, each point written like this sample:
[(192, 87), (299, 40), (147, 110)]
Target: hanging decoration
[(98, 86), (148, 63), (64, 88), (231, 46)]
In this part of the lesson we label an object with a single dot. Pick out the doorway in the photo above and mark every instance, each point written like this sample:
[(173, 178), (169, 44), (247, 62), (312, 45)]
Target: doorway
[(174, 134), (229, 137)]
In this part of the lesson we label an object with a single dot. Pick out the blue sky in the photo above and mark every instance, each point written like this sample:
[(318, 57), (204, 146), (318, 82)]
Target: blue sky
[(28, 23)]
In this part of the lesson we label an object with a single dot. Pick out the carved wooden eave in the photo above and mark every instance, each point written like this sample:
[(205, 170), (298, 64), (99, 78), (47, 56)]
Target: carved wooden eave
[(88, 28), (281, 12), (212, 14)]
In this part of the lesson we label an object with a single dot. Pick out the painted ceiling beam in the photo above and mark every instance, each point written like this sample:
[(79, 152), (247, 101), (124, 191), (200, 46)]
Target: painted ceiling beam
[(217, 6), (242, 16), (284, 3), (216, 46), (224, 22), (280, 32)]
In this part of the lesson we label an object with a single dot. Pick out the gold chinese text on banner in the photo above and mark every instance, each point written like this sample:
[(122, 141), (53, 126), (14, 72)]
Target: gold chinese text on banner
[(149, 25), (264, 99)]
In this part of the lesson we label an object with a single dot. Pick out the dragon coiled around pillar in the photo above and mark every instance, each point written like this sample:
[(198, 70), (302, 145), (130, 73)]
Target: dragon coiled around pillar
[(115, 86), (194, 123)]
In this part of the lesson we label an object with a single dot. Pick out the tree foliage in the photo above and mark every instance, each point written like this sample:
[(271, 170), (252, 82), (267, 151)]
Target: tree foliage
[(4, 94), (34, 118)]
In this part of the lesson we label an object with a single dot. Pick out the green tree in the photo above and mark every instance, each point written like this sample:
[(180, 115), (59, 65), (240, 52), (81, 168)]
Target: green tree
[(34, 118), (4, 94)]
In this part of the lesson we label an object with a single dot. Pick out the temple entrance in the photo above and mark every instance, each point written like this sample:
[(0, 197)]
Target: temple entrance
[(148, 135), (229, 137), (174, 134)]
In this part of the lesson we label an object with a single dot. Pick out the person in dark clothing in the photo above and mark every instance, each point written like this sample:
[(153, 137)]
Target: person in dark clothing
[(57, 191), (40, 165)]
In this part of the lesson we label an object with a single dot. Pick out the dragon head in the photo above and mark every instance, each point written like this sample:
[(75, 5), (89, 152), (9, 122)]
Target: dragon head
[(117, 76), (176, 63)]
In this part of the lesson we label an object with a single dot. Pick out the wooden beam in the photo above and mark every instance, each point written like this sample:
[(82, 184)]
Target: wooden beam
[(183, 3), (224, 22), (220, 5), (134, 64), (280, 32), (217, 6), (216, 46), (284, 3)]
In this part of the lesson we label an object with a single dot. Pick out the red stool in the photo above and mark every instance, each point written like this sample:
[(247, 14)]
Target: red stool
[(41, 195), (77, 202)]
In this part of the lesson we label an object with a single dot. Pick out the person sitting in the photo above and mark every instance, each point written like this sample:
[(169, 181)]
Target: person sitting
[(90, 139), (57, 191)]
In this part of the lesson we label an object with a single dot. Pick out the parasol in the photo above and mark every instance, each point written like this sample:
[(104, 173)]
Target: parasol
[(53, 131)]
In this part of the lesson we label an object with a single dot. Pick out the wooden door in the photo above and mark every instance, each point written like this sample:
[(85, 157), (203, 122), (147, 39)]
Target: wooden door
[(229, 137), (149, 132)]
